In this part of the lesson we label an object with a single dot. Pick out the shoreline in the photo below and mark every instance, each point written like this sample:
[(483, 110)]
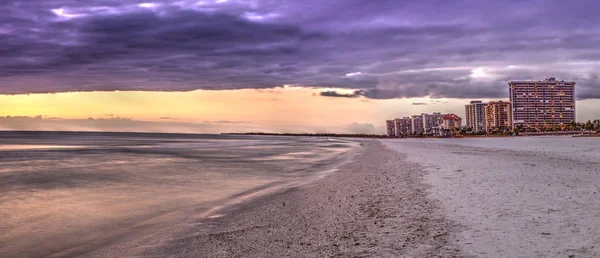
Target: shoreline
[(376, 205), (116, 200)]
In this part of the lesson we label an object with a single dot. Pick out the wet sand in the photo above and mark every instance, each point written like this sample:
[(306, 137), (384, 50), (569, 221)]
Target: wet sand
[(377, 205)]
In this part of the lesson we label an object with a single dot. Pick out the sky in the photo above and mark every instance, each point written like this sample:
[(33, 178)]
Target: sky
[(278, 65)]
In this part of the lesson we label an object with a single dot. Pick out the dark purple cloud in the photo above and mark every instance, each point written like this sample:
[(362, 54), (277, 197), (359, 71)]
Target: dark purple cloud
[(382, 49), (338, 95)]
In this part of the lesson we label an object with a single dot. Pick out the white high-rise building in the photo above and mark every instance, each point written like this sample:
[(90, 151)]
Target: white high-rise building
[(475, 116)]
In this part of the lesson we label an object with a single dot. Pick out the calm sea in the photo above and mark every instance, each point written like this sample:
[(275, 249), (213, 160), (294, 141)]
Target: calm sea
[(69, 194)]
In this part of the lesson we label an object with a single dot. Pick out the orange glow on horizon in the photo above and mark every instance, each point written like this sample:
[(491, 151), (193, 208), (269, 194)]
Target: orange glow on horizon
[(283, 109), (278, 107)]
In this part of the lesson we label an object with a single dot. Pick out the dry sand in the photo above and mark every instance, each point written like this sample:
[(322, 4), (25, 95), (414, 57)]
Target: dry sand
[(376, 205), (516, 197)]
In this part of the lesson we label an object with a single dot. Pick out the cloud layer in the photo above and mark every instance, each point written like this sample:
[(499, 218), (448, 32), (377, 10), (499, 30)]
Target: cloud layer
[(381, 49)]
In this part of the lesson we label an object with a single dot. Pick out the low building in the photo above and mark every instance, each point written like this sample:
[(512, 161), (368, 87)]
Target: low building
[(452, 122), (498, 116), (390, 130)]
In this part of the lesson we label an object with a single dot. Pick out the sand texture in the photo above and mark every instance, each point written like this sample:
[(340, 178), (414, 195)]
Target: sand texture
[(375, 206), (489, 197), (516, 197)]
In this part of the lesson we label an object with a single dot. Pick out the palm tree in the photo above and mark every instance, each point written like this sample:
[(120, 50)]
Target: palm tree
[(572, 125)]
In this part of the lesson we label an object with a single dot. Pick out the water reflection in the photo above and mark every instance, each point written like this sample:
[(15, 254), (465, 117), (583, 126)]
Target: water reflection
[(81, 193)]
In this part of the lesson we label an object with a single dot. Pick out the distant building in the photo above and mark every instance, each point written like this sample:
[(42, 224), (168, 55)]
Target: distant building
[(452, 122), (403, 126), (390, 130), (542, 104), (417, 124), (475, 116), (431, 122), (498, 115)]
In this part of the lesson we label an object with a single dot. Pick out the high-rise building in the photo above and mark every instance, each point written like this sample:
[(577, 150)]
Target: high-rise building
[(498, 115), (417, 124), (403, 126), (432, 121), (390, 130), (430, 124), (475, 115), (542, 104)]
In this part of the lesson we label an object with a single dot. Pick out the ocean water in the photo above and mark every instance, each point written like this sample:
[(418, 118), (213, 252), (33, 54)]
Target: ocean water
[(74, 194)]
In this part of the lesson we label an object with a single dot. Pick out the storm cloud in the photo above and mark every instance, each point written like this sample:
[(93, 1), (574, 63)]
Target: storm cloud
[(380, 49)]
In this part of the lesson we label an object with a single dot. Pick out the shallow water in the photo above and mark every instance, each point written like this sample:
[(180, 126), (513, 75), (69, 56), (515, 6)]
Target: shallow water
[(72, 194)]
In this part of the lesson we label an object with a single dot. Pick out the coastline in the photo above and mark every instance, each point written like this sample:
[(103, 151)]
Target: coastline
[(376, 205), (115, 196)]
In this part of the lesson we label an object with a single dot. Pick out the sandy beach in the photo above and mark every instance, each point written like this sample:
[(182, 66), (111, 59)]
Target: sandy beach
[(522, 197), (493, 197), (375, 206), (373, 203), (515, 197)]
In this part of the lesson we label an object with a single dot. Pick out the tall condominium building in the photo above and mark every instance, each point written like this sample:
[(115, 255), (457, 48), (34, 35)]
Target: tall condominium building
[(390, 130), (498, 115), (417, 124), (538, 104), (432, 121), (403, 126), (475, 115)]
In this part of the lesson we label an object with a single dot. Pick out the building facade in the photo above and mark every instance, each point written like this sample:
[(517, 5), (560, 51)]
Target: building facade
[(431, 122), (423, 124), (452, 125), (417, 124), (475, 116), (452, 122), (498, 116), (542, 104), (403, 126), (390, 129)]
